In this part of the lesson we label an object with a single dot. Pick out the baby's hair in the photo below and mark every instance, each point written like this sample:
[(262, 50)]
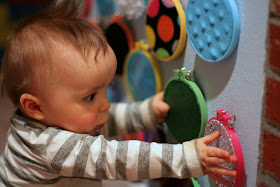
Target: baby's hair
[(31, 47)]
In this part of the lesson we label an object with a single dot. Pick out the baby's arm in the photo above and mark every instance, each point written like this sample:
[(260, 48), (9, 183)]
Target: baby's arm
[(80, 155), (211, 157), (125, 118)]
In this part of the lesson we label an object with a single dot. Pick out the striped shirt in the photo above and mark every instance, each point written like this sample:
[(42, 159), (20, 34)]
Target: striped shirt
[(37, 155)]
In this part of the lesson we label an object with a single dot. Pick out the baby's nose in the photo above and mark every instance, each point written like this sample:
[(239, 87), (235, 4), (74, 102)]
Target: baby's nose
[(104, 106)]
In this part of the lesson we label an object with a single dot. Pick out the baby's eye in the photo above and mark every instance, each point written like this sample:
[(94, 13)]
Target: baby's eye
[(90, 97)]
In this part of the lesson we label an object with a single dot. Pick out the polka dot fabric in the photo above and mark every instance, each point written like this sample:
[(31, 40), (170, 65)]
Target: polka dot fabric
[(213, 28), (165, 28)]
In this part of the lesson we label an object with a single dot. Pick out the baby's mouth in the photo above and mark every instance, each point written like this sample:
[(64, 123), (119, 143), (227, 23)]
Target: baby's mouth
[(98, 127)]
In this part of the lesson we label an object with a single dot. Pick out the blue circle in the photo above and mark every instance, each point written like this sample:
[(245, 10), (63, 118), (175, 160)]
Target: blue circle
[(213, 28), (141, 76)]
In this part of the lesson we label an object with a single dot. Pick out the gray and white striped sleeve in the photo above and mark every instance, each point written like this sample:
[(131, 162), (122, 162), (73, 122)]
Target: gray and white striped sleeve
[(127, 118), (95, 157), (36, 154)]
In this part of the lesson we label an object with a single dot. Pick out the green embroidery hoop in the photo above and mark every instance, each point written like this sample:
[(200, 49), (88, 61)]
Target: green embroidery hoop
[(195, 182), (188, 115)]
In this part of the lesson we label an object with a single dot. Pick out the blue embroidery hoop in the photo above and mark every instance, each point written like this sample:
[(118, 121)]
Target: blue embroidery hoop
[(213, 28), (141, 73)]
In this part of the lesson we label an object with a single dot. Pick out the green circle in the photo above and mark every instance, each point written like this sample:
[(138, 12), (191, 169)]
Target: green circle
[(187, 116), (162, 53)]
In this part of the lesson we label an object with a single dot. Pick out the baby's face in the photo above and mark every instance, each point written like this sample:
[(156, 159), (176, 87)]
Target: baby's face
[(75, 95)]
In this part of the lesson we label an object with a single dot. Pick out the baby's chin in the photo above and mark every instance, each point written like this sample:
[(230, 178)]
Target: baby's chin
[(93, 132)]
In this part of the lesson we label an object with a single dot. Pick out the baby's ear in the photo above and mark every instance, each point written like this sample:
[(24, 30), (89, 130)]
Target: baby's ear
[(31, 106)]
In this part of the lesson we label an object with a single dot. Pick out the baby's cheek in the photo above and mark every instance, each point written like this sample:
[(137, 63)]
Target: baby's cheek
[(88, 119)]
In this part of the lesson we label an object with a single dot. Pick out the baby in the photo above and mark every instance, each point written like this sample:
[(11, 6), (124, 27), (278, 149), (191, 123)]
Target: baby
[(56, 69)]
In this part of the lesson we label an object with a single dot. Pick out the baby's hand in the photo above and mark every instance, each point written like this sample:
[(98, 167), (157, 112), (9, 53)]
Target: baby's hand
[(211, 157), (160, 108)]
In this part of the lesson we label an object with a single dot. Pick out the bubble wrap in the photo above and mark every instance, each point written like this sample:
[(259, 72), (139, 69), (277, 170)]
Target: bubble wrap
[(223, 142)]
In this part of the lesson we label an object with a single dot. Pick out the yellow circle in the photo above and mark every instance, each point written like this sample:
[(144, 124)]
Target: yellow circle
[(151, 36)]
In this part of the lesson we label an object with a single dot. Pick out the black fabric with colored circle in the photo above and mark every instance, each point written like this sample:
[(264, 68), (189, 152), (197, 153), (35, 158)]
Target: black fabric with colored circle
[(173, 14), (184, 117), (118, 41)]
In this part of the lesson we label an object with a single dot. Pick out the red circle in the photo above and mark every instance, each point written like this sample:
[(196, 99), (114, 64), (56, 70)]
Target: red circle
[(165, 28), (153, 8)]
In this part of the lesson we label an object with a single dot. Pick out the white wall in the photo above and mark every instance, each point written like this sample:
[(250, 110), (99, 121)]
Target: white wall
[(235, 84)]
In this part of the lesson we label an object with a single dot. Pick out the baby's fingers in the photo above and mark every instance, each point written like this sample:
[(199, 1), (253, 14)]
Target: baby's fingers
[(210, 138), (217, 152), (217, 170), (217, 160), (219, 179)]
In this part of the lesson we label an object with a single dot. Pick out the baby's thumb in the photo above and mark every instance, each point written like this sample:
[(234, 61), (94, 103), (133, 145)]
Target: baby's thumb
[(164, 107), (211, 137)]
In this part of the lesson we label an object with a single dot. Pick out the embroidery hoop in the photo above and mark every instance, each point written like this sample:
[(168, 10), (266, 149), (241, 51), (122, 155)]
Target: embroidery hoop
[(156, 22), (134, 75), (229, 141), (118, 33), (213, 28), (188, 115)]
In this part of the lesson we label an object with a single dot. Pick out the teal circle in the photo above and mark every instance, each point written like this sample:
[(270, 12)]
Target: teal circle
[(141, 78), (213, 28)]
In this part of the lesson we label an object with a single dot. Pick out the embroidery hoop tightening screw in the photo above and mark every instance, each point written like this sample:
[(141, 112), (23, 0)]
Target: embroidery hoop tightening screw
[(179, 72), (189, 75), (231, 122)]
